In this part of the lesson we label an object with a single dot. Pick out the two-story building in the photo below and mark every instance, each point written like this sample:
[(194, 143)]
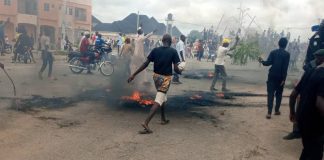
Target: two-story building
[(55, 17)]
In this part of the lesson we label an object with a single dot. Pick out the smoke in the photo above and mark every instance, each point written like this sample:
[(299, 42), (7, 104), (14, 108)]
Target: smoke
[(275, 10), (317, 7), (119, 86)]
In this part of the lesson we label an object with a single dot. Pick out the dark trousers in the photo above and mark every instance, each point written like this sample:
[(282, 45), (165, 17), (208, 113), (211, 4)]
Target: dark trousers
[(296, 128), (219, 73), (118, 48), (175, 77), (313, 147), (47, 59), (274, 88), (200, 54)]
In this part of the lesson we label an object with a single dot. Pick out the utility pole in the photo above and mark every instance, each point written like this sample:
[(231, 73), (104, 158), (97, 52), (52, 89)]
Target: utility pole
[(219, 23), (242, 14), (63, 27), (137, 21)]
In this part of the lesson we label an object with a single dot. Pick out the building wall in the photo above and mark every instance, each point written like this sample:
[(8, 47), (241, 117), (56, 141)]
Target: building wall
[(51, 19)]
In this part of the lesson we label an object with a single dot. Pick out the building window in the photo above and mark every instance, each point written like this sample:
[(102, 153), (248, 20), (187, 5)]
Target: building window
[(7, 2), (69, 11), (80, 14), (46, 7)]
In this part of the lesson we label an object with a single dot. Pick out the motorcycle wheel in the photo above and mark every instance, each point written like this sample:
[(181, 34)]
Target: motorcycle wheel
[(75, 62), (25, 58), (106, 68)]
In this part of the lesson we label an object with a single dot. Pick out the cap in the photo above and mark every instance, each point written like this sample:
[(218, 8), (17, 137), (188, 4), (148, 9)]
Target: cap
[(319, 52), (86, 33), (226, 40)]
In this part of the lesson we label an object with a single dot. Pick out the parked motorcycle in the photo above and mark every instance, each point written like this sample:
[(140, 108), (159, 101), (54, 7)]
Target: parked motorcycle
[(25, 56), (79, 63)]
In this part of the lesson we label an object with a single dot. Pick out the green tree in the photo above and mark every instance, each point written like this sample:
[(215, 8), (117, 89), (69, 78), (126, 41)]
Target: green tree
[(193, 35)]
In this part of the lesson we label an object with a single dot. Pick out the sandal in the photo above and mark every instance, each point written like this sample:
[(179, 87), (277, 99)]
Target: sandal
[(146, 130), (165, 122)]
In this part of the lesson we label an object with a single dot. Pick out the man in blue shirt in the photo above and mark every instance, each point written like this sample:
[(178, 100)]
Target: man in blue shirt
[(119, 42), (279, 62), (99, 41)]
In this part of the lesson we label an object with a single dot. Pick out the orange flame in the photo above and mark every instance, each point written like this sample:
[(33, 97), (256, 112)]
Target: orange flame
[(195, 97), (220, 95), (136, 96)]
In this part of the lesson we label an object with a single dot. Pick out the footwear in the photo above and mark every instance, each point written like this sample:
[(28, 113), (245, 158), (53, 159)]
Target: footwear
[(292, 136), (40, 76), (268, 116), (213, 89), (146, 130), (165, 122), (277, 113), (89, 73)]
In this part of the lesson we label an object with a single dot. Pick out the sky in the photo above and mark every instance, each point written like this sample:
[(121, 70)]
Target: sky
[(295, 16)]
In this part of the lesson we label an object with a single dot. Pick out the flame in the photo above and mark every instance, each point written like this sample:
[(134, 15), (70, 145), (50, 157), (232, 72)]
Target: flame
[(137, 97), (195, 97), (220, 95), (210, 74)]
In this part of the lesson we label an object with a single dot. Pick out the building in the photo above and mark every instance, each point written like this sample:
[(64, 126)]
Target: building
[(129, 26), (54, 17)]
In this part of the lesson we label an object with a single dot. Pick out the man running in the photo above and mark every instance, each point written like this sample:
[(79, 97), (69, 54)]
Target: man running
[(163, 58)]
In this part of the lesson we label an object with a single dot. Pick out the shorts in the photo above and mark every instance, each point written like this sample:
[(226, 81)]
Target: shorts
[(160, 98), (162, 85)]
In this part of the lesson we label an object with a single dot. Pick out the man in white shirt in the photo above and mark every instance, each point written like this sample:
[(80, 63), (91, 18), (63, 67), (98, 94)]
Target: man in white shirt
[(220, 71), (180, 47)]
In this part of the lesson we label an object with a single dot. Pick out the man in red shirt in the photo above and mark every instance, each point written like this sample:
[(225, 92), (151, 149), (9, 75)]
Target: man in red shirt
[(85, 43)]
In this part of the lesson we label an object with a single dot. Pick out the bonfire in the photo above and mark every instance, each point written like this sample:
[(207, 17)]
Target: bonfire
[(138, 97)]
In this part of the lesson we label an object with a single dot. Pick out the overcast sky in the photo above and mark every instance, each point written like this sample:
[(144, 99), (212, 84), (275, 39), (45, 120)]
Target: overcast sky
[(297, 15)]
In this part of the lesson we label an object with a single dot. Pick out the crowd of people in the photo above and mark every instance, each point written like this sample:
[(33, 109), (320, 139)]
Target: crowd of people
[(169, 58)]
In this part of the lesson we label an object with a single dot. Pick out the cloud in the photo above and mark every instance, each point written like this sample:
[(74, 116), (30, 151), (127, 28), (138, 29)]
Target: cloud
[(292, 15)]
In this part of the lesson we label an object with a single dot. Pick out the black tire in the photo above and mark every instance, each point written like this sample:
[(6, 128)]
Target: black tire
[(75, 62), (1, 47), (106, 68), (26, 58)]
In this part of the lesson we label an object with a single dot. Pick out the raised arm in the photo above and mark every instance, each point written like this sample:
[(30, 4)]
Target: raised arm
[(237, 39)]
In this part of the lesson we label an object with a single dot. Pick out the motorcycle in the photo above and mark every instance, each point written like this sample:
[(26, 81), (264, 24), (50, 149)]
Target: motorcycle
[(211, 56), (79, 63), (25, 56)]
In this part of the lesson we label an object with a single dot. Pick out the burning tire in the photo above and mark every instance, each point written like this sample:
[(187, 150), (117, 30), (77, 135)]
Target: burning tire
[(75, 66), (106, 68)]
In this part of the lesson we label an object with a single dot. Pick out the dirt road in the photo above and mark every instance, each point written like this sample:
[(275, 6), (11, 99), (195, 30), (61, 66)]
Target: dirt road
[(100, 130)]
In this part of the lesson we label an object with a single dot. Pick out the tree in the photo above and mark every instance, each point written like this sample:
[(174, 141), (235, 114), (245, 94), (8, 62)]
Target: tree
[(193, 35)]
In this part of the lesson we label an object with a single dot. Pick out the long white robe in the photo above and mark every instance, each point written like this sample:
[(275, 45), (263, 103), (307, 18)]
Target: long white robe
[(139, 57)]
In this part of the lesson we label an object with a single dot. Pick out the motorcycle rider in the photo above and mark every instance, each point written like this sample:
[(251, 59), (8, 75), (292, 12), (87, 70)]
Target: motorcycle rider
[(100, 44), (84, 49), (22, 42)]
